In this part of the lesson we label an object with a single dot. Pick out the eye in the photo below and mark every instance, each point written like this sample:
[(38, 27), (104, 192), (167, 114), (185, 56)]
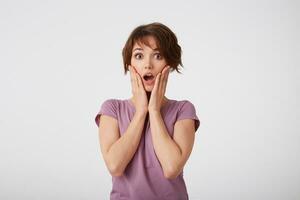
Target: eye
[(158, 56), (138, 55)]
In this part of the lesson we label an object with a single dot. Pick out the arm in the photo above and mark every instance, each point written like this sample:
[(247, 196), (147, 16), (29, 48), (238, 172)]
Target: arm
[(172, 153), (118, 151)]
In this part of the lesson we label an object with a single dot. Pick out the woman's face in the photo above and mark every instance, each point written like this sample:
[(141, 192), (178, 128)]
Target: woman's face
[(147, 60)]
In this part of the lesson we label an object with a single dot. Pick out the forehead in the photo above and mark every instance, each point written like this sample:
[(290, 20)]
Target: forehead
[(148, 41)]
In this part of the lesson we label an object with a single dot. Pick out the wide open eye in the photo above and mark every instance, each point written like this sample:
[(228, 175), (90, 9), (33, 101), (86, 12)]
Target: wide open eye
[(158, 56), (138, 55)]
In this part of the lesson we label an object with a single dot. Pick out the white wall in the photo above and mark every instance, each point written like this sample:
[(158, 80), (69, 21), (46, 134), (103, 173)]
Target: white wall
[(241, 60)]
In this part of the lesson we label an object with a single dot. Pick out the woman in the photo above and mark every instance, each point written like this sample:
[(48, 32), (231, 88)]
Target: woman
[(146, 140)]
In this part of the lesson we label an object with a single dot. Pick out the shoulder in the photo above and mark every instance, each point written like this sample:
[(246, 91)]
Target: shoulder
[(185, 101), (108, 107), (117, 105), (187, 104), (112, 102), (186, 110), (109, 100), (183, 105)]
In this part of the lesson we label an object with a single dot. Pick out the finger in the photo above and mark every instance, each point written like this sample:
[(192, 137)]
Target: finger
[(165, 80), (133, 79), (131, 75), (162, 76), (136, 75), (136, 79), (157, 80), (165, 72), (140, 82)]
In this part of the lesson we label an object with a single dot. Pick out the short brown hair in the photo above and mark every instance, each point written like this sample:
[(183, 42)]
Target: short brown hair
[(166, 42)]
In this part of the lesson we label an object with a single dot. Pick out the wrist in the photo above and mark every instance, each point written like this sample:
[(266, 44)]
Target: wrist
[(141, 113), (153, 111)]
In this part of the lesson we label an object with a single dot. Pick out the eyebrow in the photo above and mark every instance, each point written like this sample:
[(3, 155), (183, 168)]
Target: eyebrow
[(156, 49)]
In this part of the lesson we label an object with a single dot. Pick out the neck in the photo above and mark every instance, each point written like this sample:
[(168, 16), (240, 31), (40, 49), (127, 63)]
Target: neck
[(149, 95)]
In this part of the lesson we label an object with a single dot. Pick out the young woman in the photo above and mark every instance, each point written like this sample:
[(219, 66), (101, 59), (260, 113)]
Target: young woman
[(146, 140)]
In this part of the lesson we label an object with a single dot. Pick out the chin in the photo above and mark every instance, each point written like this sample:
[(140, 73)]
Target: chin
[(149, 88)]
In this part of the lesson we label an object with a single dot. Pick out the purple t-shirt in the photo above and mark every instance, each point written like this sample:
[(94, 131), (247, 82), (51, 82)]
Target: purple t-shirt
[(143, 177)]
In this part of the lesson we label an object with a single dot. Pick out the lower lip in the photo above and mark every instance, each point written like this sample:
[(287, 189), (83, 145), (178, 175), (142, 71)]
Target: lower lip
[(149, 82)]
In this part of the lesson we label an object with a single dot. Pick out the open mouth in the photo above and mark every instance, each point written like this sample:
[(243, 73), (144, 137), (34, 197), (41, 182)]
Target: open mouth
[(148, 77)]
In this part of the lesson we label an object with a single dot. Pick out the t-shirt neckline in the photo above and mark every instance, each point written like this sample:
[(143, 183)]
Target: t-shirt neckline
[(163, 107)]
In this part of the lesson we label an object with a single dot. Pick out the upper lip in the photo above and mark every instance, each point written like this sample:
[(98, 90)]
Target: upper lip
[(148, 74)]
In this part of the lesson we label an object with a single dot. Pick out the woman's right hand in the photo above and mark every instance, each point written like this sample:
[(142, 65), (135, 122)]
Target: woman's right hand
[(140, 100)]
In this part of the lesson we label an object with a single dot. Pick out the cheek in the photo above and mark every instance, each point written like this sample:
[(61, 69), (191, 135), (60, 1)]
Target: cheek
[(136, 67), (133, 62), (161, 66)]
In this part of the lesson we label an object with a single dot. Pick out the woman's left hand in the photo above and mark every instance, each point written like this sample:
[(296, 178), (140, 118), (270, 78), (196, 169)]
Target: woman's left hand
[(159, 89)]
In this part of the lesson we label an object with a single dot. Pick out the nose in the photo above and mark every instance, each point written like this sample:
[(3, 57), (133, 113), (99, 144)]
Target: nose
[(148, 64)]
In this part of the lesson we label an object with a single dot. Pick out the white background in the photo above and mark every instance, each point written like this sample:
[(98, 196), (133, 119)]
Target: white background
[(61, 59)]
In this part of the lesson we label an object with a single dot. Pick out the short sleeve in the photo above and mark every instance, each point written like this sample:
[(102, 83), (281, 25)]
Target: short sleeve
[(188, 111), (108, 107)]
